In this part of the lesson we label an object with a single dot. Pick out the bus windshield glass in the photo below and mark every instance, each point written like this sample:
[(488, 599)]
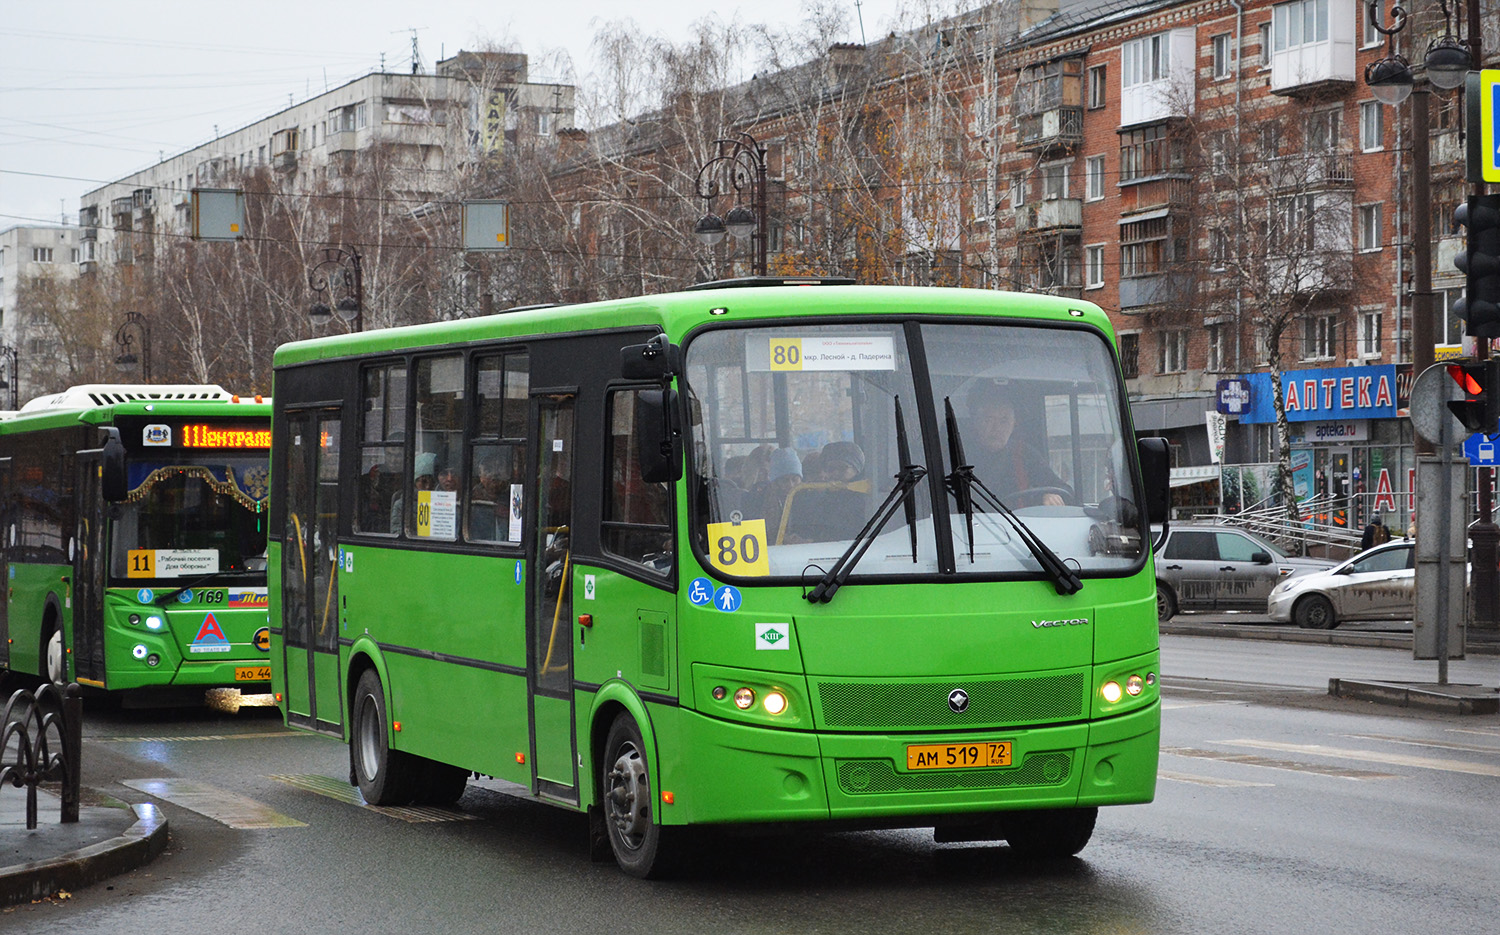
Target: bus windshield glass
[(191, 517), (795, 445)]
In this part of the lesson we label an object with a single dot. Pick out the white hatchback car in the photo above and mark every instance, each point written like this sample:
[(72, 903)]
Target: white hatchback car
[(1376, 584)]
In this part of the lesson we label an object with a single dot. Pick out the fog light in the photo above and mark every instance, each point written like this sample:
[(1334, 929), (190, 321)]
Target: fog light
[(1134, 685), (153, 622), (153, 660), (744, 698), (135, 620), (139, 651), (719, 692), (775, 702), (1112, 692)]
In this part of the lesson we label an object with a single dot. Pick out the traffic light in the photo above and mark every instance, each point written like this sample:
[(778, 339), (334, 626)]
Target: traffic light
[(1480, 263), (1479, 410)]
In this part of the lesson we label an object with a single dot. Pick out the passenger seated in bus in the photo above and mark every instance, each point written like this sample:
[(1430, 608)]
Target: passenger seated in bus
[(424, 469), (1002, 461), (836, 505), (768, 500)]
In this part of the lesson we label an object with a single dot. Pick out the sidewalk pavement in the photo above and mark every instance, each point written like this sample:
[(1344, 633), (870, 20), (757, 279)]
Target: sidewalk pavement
[(1449, 698), (106, 841)]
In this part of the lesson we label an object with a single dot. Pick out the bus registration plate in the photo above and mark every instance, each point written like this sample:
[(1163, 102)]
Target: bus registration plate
[(958, 755), (252, 673)]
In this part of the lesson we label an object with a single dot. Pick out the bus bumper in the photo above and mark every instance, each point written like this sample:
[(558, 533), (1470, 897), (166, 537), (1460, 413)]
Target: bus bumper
[(738, 773)]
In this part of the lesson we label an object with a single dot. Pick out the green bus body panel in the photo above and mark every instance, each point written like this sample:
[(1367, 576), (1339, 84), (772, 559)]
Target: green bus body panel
[(173, 644), (33, 588)]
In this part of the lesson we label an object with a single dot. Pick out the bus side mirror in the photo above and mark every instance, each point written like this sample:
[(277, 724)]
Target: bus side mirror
[(112, 483), (1156, 473), (657, 359), (658, 435)]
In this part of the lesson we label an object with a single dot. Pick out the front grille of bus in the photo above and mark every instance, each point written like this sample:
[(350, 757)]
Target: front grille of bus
[(924, 705), (874, 777)]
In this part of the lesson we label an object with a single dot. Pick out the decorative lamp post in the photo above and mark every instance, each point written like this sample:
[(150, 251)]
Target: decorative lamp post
[(10, 376), (739, 162), (133, 328), (337, 279)]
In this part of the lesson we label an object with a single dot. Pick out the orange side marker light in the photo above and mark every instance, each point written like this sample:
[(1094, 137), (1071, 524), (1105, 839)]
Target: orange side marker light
[(521, 758), (667, 798)]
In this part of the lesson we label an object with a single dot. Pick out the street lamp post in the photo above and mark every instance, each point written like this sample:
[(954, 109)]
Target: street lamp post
[(742, 160), (133, 328), (338, 278), (10, 376)]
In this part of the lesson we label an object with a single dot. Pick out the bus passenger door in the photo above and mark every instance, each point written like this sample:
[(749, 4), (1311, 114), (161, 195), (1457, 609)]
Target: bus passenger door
[(550, 623), (89, 571), (7, 518), (309, 572)]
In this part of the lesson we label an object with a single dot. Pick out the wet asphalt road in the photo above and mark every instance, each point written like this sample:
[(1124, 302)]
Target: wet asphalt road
[(1279, 810)]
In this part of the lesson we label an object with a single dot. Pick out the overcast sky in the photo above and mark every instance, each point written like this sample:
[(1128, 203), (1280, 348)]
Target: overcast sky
[(91, 91)]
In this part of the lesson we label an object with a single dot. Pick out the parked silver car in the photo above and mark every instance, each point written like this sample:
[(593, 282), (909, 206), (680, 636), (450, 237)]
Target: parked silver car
[(1374, 585), (1215, 567)]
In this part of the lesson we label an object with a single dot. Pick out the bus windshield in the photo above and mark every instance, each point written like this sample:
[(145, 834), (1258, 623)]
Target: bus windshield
[(795, 442), (190, 517)]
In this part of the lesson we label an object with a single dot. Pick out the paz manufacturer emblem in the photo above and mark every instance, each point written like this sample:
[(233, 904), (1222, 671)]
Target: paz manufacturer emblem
[(958, 700)]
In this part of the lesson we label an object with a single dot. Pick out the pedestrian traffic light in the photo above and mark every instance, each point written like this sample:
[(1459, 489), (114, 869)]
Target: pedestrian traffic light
[(1480, 263), (1479, 410)]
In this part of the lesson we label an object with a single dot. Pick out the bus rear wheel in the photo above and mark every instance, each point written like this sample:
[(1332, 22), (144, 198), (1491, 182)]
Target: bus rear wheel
[(385, 776), (1049, 833), (642, 847), (440, 784)]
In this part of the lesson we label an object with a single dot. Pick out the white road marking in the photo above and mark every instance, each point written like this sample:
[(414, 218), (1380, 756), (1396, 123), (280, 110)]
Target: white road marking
[(1375, 756), (227, 808), (340, 790), (1210, 780)]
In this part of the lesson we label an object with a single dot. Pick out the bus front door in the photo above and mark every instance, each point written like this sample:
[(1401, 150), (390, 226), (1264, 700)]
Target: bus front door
[(550, 616), (88, 572), (309, 573)]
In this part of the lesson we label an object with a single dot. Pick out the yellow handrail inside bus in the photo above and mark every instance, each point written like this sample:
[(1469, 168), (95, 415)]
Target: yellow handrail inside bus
[(557, 612)]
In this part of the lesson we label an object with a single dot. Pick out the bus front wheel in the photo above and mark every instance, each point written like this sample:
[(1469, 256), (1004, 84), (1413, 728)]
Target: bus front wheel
[(1051, 832), (54, 666), (385, 776), (642, 847)]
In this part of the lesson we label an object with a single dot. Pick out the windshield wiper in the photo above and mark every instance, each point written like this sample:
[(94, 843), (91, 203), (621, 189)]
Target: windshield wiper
[(963, 484), (906, 481)]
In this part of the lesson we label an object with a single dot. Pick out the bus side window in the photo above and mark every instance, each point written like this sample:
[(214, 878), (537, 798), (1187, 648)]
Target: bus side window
[(382, 440), (637, 521), (497, 448)]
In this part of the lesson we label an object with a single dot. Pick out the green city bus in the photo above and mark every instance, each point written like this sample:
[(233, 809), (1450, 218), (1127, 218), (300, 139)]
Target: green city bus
[(736, 556), (133, 540)]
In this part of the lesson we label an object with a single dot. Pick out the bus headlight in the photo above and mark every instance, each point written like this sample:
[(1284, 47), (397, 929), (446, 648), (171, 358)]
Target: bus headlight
[(154, 622), (1112, 691), (139, 651), (775, 702), (744, 698), (1134, 685)]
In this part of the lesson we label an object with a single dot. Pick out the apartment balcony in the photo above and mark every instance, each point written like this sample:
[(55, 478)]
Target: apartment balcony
[(1162, 191), (1059, 128), (89, 233), (1171, 95), (343, 141), (285, 161), (1053, 214), (1447, 155), (1314, 58), (1142, 293), (1312, 274), (1310, 171)]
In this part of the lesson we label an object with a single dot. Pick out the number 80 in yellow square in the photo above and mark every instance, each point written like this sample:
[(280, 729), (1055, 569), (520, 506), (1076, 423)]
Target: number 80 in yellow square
[(739, 548), (786, 353)]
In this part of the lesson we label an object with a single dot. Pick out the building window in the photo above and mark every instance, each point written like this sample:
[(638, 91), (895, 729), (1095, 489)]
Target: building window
[(1097, 95), (41, 254), (1370, 227), (1171, 354), (1094, 177), (981, 204), (1323, 129), (1018, 186), (1319, 337), (1369, 333), (1145, 60), (1130, 355), (1143, 153), (1143, 247), (1218, 249), (1215, 332), (1450, 326), (1371, 126), (1371, 35), (1223, 54), (1055, 181), (1297, 24), (1265, 46), (544, 121), (1093, 265)]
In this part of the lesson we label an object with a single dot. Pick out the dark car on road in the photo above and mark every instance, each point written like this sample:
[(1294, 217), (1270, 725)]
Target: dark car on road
[(1218, 567)]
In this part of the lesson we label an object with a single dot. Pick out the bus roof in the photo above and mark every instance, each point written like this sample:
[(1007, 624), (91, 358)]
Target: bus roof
[(100, 403), (676, 313)]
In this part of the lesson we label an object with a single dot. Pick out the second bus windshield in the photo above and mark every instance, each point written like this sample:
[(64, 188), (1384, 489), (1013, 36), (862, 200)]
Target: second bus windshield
[(209, 512)]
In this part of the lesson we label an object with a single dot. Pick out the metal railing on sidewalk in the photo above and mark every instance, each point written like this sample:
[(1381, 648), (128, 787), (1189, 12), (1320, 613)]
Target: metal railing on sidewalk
[(41, 740), (1271, 522)]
